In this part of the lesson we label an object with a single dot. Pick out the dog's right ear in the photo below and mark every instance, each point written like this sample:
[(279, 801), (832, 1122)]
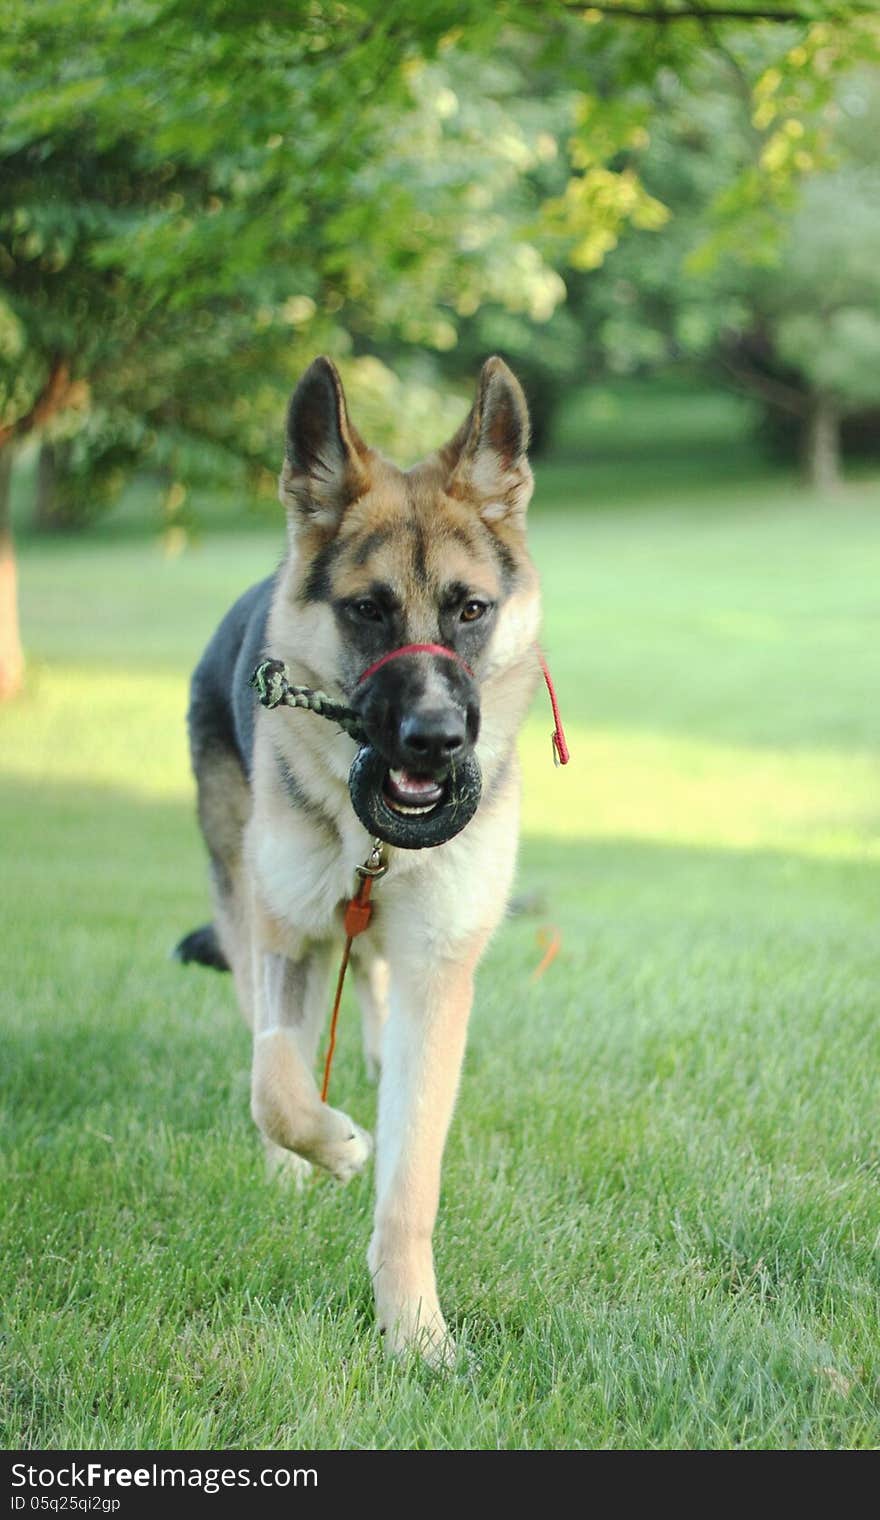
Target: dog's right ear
[(486, 460), (325, 465)]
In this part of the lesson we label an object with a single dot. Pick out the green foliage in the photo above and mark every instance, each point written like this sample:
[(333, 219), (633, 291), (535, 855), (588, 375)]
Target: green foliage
[(191, 212), (772, 284), (599, 201), (199, 198), (825, 297)]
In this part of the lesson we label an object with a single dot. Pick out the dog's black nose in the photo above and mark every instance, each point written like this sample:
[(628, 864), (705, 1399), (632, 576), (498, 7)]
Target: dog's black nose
[(430, 739)]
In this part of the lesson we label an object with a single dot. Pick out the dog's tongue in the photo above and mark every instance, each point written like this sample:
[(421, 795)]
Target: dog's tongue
[(419, 791)]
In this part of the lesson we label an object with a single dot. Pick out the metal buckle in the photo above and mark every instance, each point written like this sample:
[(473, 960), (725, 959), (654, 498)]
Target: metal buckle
[(375, 866)]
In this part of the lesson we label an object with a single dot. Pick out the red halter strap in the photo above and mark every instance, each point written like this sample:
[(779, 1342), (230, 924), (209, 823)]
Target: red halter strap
[(561, 753), (413, 649)]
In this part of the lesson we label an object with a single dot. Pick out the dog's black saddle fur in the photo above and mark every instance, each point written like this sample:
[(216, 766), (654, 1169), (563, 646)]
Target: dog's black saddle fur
[(221, 715), (222, 703)]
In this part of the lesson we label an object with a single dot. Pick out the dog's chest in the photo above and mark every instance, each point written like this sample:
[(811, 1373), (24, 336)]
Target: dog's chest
[(304, 875)]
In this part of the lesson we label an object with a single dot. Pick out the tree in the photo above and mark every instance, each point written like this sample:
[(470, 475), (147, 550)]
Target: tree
[(817, 314), (11, 658), (679, 204), (768, 272), (190, 209)]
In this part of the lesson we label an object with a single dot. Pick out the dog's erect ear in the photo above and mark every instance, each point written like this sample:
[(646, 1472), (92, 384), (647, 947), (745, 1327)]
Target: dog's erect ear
[(325, 465), (487, 457)]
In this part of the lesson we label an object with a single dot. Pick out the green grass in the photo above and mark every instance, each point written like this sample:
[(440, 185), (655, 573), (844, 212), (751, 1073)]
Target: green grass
[(661, 1204)]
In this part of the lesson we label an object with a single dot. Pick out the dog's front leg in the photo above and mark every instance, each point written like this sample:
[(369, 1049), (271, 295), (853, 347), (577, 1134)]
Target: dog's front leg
[(285, 1102), (422, 1054), (371, 984)]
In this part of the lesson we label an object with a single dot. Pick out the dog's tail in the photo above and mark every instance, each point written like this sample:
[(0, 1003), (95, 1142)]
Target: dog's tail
[(202, 947)]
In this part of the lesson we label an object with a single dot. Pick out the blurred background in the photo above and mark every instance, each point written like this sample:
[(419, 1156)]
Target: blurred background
[(669, 223)]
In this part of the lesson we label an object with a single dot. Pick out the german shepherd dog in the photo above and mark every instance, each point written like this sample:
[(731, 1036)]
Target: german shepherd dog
[(377, 558)]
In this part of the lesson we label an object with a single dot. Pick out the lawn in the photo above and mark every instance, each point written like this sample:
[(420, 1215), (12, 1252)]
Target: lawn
[(661, 1205)]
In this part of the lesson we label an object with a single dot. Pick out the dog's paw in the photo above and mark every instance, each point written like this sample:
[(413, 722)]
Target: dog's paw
[(345, 1150), (286, 1168), (411, 1330)]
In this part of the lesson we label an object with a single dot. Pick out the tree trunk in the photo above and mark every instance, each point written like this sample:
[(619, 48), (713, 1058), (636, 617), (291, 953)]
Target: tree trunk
[(821, 445), (11, 657), (49, 516)]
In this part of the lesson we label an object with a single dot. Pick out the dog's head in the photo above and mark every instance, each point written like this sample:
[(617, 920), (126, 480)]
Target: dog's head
[(435, 555)]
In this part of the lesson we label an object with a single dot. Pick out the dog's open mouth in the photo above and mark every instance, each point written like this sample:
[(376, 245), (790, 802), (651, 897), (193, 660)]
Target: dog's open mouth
[(410, 794)]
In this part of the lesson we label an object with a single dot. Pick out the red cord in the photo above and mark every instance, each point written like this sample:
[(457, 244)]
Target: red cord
[(560, 747), (413, 649)]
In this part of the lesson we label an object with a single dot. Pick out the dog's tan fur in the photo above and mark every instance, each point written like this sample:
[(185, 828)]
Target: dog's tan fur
[(285, 872)]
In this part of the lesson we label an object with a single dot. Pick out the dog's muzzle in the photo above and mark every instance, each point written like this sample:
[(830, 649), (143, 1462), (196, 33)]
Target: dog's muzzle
[(416, 783)]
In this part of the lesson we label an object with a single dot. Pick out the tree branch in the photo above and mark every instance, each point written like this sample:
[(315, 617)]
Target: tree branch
[(740, 77), (662, 17), (775, 392)]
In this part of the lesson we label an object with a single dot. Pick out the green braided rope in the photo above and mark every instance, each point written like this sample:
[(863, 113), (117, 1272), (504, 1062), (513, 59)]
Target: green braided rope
[(273, 689)]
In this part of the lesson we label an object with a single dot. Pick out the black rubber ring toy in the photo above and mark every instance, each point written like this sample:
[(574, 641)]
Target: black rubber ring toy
[(406, 831), (366, 779)]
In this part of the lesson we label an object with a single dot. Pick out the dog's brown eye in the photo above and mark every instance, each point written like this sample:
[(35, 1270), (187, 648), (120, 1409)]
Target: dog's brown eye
[(368, 610), (471, 611)]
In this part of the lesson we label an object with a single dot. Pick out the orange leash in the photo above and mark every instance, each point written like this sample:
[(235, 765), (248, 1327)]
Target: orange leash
[(550, 941), (358, 913)]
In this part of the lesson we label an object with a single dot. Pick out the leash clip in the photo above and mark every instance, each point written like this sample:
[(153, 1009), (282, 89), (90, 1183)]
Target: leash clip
[(376, 865)]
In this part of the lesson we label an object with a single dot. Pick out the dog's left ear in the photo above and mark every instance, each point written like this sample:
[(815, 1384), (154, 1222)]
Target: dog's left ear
[(487, 457)]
